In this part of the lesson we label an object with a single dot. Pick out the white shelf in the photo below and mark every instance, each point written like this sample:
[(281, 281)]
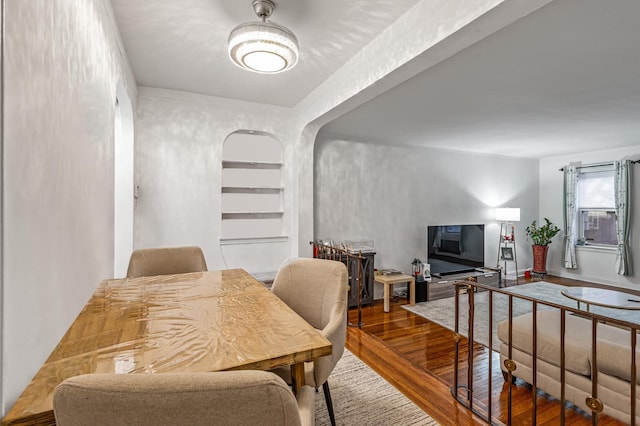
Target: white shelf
[(253, 240), (250, 190), (226, 164), (252, 215)]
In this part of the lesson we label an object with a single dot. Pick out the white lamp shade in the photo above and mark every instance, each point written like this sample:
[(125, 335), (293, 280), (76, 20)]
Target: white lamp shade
[(507, 214), (263, 47)]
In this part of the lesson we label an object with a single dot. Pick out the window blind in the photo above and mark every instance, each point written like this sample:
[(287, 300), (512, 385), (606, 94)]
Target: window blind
[(596, 190)]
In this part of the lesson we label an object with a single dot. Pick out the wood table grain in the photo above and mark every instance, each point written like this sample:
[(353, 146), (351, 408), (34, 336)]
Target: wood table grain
[(197, 322)]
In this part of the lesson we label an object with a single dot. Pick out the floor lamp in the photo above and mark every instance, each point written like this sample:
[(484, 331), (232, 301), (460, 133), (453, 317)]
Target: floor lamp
[(507, 239)]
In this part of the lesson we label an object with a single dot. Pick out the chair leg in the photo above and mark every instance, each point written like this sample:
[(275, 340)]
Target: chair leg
[(327, 400)]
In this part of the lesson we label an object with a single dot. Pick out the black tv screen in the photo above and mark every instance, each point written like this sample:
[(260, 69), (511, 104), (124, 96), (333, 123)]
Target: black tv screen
[(455, 249)]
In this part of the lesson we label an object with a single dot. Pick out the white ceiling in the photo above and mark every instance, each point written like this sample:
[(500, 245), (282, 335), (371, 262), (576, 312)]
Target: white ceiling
[(564, 79), (182, 45)]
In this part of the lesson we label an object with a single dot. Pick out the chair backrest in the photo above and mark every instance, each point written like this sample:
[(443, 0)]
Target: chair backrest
[(165, 261), (317, 289), (220, 398)]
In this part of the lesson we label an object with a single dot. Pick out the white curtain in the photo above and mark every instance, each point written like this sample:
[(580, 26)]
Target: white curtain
[(622, 180), (569, 252)]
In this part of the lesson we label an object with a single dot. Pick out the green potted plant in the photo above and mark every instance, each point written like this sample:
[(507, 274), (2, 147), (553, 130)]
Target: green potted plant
[(541, 237)]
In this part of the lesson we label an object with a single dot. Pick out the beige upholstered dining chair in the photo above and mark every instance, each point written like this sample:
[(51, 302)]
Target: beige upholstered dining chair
[(317, 290), (166, 260), (248, 397)]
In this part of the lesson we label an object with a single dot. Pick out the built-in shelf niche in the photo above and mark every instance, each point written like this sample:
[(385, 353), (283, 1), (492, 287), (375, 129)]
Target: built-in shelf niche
[(252, 191)]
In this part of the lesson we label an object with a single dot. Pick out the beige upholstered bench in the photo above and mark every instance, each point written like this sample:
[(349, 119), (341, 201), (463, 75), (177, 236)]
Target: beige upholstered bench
[(613, 360)]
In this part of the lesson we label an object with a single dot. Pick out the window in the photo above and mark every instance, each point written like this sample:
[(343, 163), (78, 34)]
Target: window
[(596, 206)]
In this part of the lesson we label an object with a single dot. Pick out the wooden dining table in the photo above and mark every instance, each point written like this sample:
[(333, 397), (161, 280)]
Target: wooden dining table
[(196, 322)]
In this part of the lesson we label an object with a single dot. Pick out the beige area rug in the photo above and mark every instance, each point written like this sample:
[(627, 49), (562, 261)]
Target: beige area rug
[(361, 397), (442, 311)]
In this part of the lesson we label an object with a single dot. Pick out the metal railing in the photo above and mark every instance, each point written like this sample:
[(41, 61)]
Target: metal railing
[(464, 392), (341, 254)]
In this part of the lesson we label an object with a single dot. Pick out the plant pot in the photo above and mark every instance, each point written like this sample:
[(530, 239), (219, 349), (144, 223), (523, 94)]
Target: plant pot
[(540, 259)]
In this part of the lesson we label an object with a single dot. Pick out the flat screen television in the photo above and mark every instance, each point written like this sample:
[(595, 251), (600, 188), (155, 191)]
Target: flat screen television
[(455, 249)]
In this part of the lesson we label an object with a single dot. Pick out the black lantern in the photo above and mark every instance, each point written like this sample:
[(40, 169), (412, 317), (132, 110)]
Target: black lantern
[(416, 267)]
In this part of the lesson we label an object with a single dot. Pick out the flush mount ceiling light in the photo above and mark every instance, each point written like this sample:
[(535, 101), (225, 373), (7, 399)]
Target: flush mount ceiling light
[(263, 46)]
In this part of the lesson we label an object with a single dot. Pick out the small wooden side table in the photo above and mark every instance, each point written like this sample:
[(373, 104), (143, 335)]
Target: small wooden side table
[(389, 280)]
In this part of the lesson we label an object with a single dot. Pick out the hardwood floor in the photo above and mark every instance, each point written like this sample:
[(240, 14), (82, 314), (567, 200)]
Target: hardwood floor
[(416, 356)]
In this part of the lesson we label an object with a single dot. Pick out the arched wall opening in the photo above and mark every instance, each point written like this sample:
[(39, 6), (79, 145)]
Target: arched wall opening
[(123, 200)]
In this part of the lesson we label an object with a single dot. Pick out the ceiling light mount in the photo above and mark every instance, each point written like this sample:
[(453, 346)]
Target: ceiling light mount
[(263, 8), (264, 47)]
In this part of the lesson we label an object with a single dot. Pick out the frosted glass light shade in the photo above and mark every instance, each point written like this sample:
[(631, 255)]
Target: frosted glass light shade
[(507, 214), (263, 47)]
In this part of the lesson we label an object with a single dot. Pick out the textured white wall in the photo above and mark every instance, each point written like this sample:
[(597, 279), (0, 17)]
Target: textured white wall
[(63, 61), (123, 183), (593, 265), (428, 33), (390, 195), (179, 138)]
